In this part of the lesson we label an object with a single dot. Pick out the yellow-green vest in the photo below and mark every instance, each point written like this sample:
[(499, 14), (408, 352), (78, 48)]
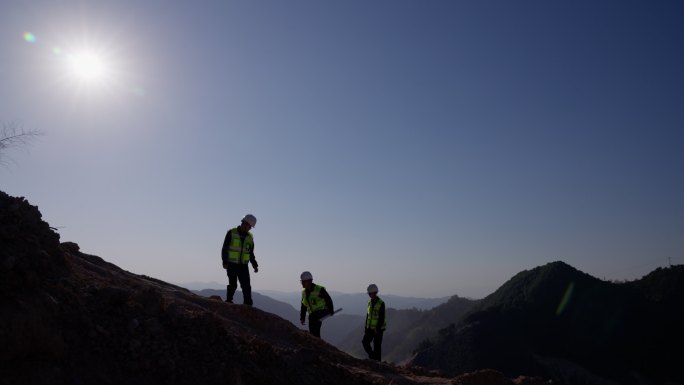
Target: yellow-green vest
[(315, 301), (239, 251), (373, 315)]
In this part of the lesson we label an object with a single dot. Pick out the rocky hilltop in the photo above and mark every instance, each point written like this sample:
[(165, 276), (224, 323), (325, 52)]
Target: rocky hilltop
[(72, 318)]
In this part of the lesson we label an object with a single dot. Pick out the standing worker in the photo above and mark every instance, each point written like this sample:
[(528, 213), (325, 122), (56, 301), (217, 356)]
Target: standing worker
[(316, 301), (375, 324), (237, 251)]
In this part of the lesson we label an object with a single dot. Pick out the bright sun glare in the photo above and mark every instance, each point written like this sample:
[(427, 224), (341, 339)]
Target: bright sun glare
[(88, 67), (85, 65)]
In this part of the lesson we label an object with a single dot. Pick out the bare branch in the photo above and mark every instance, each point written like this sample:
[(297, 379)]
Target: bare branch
[(12, 136)]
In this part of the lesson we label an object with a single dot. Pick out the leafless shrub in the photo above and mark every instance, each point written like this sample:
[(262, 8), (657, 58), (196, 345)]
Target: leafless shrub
[(12, 136)]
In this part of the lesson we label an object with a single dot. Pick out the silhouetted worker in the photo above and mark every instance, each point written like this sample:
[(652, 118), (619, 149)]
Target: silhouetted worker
[(316, 301), (375, 324), (236, 253)]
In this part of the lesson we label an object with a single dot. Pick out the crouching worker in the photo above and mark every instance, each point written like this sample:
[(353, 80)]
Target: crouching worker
[(375, 324), (316, 301)]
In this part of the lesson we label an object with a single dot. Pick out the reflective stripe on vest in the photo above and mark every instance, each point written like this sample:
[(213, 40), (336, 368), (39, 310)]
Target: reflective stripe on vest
[(374, 315), (315, 301), (239, 251)]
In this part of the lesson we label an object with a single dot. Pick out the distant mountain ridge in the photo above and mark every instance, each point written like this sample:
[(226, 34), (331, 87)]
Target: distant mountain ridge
[(561, 323), (197, 286), (355, 303), (262, 302)]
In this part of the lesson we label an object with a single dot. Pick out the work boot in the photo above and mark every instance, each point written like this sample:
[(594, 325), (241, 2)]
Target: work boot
[(247, 296), (230, 291)]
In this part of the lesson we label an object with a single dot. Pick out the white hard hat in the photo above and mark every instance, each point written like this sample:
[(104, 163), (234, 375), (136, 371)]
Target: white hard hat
[(250, 219), (372, 288), (306, 276)]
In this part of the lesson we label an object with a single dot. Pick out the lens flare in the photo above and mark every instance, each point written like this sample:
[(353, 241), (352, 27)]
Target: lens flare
[(29, 37), (566, 298)]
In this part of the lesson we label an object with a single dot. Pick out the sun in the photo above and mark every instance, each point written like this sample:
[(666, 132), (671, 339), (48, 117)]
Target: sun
[(88, 67)]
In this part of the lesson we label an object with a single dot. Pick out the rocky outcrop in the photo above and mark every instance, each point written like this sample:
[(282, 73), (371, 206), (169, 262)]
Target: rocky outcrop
[(72, 318)]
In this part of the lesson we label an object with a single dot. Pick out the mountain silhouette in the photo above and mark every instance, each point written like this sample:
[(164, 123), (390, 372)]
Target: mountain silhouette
[(558, 322), (356, 303), (73, 318)]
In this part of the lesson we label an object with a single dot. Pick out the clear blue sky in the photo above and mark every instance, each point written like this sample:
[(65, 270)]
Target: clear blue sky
[(431, 147)]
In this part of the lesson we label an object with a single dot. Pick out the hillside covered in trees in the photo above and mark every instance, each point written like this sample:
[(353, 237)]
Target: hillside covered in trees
[(561, 323)]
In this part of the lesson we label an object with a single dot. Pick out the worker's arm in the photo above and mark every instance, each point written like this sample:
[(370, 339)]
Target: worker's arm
[(224, 249), (302, 314), (252, 260), (328, 301), (381, 318)]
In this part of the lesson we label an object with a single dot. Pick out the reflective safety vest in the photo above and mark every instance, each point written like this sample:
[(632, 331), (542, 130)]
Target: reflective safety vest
[(239, 251), (315, 301), (373, 315)]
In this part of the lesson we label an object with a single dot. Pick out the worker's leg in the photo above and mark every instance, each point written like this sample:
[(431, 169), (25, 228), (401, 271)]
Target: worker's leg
[(366, 342), (243, 277), (377, 345), (315, 324), (232, 282)]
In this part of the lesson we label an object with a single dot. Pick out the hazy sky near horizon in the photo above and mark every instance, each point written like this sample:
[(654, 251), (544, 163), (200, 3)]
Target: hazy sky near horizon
[(431, 147)]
